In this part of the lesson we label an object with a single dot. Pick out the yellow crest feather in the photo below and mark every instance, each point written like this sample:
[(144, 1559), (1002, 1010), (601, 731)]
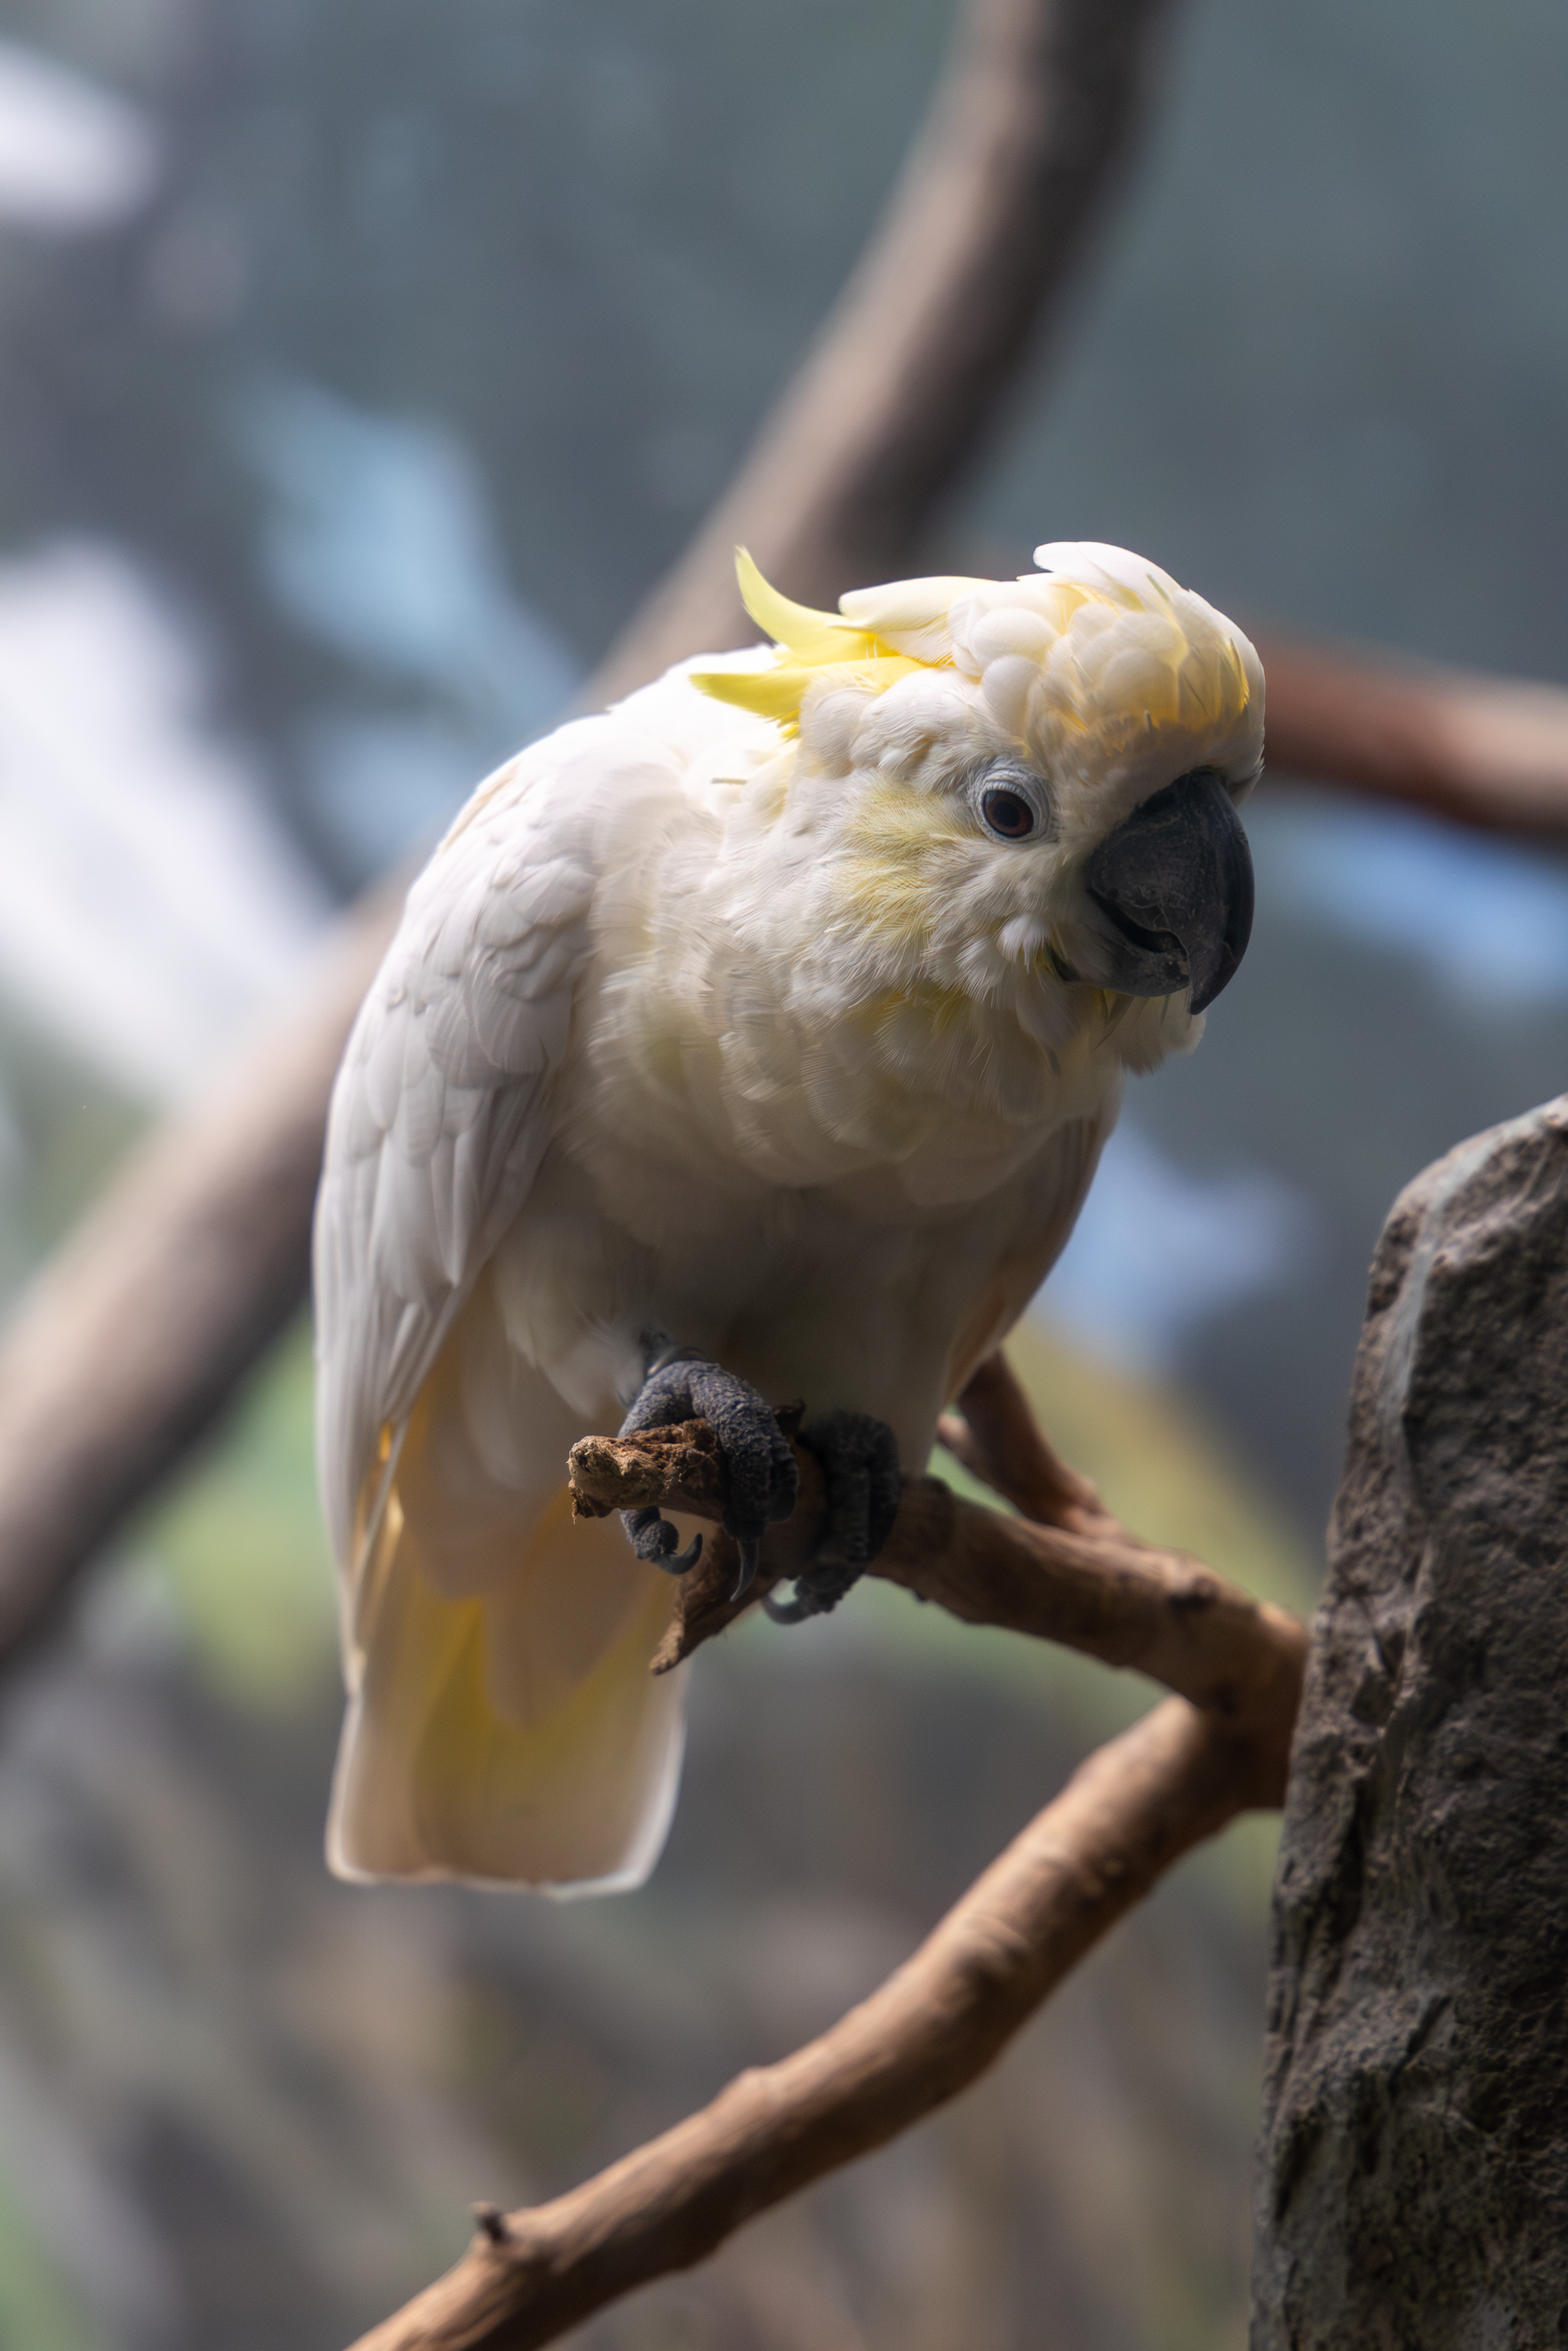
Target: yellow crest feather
[(810, 637), (809, 645)]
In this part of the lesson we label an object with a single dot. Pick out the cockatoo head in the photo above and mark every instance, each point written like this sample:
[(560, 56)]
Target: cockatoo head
[(1025, 785)]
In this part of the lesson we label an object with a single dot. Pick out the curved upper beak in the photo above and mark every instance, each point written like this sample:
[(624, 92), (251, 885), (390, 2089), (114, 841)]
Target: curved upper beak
[(1174, 887)]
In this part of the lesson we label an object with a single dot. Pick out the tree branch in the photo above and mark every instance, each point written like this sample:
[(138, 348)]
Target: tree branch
[(1120, 1823), (1135, 1808), (995, 1436), (141, 1326), (1489, 752), (1097, 1589)]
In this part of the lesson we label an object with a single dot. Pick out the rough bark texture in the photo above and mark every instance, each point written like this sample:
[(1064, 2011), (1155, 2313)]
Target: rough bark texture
[(1413, 2180)]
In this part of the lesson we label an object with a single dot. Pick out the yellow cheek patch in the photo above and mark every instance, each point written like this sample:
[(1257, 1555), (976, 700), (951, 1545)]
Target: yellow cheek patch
[(894, 824), (887, 904), (896, 852)]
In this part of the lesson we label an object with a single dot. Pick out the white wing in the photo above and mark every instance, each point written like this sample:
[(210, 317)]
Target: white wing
[(440, 1113)]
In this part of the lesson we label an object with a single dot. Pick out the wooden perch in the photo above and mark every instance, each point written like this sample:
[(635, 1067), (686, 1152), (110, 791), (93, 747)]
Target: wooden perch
[(1094, 1588), (1135, 1808)]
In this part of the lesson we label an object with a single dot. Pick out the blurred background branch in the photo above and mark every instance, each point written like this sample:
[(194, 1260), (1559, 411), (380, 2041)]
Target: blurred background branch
[(142, 1325), (1490, 752), (1035, 112)]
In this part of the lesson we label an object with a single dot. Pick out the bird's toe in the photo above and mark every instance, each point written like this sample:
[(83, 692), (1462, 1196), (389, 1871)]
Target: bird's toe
[(759, 1467), (860, 1466)]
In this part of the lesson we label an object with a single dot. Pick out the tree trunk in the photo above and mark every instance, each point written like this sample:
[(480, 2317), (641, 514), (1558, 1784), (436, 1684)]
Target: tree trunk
[(1413, 2172)]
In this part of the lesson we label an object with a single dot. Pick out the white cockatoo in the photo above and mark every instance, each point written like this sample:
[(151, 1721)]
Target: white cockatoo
[(754, 1041)]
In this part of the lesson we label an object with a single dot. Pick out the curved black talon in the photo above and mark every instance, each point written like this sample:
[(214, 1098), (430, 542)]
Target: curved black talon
[(682, 1384), (750, 1554), (655, 1540), (790, 1612), (860, 1465)]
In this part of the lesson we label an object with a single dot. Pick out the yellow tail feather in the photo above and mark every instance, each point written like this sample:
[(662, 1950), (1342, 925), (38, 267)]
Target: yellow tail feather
[(514, 1735)]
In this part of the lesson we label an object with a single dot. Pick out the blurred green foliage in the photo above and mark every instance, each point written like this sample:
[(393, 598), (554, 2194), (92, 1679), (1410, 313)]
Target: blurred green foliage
[(238, 1548), (39, 2308)]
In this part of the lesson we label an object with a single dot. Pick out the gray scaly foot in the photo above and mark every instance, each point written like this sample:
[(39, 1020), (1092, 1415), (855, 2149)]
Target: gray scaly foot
[(682, 1384), (859, 1462)]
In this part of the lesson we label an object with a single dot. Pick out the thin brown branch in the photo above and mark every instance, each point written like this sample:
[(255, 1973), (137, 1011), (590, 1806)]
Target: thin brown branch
[(1135, 1808), (1489, 752), (1097, 1589), (995, 1435)]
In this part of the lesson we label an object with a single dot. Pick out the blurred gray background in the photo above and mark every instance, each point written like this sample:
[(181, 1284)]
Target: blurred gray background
[(362, 365)]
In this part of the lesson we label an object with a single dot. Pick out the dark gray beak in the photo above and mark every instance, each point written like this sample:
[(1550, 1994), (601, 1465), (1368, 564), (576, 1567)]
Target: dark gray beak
[(1174, 887)]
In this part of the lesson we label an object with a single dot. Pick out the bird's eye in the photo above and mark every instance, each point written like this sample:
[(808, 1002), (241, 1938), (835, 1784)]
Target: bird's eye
[(1009, 814)]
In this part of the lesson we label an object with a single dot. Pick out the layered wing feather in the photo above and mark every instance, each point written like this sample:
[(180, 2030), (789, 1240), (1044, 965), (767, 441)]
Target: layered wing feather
[(440, 1116)]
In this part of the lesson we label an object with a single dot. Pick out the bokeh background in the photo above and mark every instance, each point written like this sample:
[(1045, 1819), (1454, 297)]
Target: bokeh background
[(361, 364)]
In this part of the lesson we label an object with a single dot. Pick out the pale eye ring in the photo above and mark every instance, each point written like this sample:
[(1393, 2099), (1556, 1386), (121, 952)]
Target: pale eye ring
[(1007, 814)]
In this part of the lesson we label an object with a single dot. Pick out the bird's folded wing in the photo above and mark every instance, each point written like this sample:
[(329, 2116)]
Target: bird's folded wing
[(441, 1114)]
